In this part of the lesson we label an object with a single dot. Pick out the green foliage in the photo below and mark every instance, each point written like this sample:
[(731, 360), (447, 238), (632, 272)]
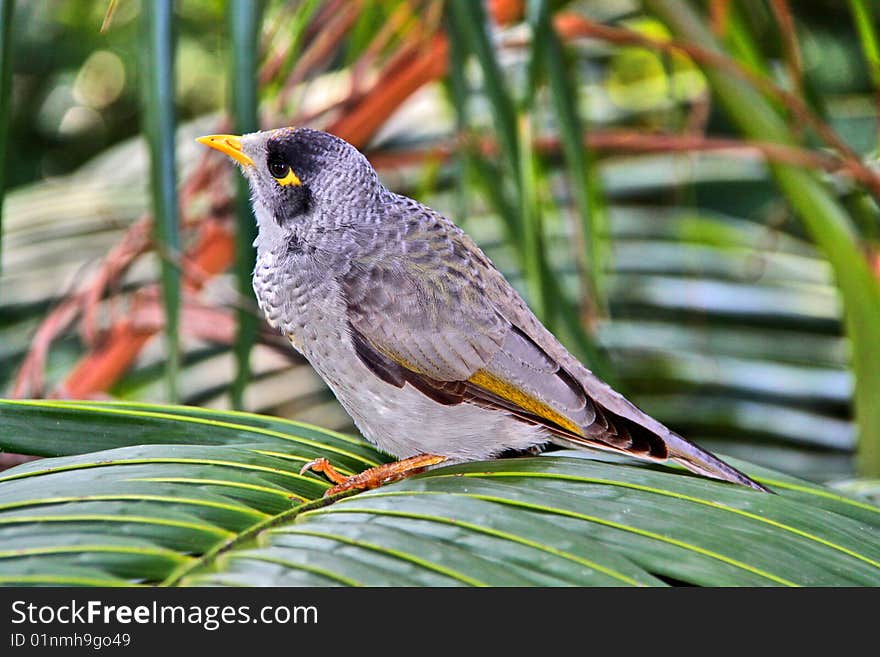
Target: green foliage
[(221, 501), (826, 220), (78, 91)]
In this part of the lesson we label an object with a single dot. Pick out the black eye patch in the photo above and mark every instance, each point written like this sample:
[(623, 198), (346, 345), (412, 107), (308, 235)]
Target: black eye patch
[(292, 159), (291, 203)]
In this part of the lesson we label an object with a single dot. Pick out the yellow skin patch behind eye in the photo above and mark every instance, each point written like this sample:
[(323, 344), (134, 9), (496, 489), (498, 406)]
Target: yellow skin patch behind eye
[(290, 179)]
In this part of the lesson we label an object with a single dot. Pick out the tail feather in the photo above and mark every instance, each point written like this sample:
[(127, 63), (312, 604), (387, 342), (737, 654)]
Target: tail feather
[(631, 437), (702, 462), (626, 436)]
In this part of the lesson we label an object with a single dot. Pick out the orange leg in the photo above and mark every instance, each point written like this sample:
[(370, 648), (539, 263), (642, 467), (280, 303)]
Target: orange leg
[(374, 477)]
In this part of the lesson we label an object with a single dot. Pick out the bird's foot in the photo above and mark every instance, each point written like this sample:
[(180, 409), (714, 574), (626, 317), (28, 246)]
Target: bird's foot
[(373, 477)]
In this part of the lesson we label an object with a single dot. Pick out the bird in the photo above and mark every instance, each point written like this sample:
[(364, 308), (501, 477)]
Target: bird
[(427, 346)]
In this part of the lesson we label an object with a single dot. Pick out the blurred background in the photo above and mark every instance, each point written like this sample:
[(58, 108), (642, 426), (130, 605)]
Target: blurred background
[(685, 192)]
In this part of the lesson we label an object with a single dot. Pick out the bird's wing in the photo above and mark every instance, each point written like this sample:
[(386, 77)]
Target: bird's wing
[(437, 316)]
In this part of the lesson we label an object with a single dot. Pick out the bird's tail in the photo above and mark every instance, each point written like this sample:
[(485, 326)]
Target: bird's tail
[(702, 462)]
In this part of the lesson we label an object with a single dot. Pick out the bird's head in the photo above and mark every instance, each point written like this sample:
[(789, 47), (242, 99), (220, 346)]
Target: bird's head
[(299, 176)]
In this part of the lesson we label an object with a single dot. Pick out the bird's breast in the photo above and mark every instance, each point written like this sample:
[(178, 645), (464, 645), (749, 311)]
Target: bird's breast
[(300, 301)]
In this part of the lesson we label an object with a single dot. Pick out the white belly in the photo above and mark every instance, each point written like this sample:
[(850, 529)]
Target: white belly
[(404, 422)]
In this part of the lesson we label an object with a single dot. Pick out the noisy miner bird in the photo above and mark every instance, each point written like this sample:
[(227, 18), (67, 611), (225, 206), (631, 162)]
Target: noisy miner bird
[(424, 342)]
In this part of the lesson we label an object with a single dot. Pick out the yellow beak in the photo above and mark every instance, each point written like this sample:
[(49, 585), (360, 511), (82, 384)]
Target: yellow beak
[(229, 144)]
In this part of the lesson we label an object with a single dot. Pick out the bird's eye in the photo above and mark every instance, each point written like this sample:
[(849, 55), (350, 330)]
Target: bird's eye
[(282, 173), (278, 169)]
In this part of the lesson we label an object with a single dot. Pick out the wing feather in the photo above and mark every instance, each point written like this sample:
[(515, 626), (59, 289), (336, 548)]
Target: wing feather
[(437, 315), (414, 323)]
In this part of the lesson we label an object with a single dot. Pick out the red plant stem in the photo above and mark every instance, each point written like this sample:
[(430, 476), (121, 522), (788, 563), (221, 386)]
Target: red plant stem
[(357, 125), (626, 141), (719, 13), (793, 62), (106, 363)]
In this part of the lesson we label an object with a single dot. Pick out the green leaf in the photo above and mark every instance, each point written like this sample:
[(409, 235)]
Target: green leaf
[(159, 118), (7, 8), (470, 21), (54, 428), (227, 505), (244, 26), (535, 268), (863, 17)]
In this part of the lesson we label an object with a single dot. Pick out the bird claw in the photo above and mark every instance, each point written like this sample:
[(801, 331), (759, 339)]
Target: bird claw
[(323, 466), (372, 477)]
